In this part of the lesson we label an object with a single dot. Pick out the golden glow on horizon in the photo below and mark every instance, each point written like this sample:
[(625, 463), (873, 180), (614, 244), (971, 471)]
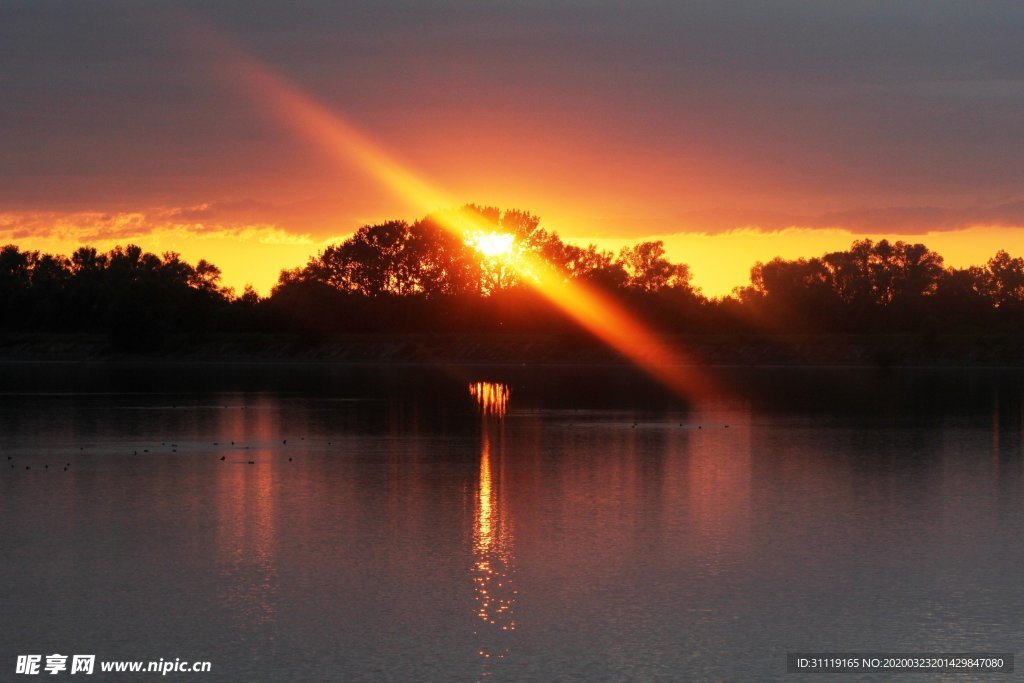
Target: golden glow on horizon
[(719, 262)]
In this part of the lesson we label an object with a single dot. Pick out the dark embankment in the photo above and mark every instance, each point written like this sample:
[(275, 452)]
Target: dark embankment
[(735, 349)]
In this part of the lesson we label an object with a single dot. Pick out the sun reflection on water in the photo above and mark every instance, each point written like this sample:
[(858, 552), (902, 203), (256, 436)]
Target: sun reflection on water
[(493, 551), (246, 518)]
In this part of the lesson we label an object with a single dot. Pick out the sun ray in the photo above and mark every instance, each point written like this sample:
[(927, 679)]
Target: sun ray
[(591, 309)]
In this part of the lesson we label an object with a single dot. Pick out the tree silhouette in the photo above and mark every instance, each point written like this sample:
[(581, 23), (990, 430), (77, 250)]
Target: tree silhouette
[(420, 277), (1004, 278), (647, 269)]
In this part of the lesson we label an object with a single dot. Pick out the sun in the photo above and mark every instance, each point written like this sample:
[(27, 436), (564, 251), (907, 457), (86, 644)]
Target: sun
[(492, 244)]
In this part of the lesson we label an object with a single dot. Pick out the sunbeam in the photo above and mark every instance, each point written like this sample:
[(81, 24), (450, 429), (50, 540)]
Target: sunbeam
[(592, 310)]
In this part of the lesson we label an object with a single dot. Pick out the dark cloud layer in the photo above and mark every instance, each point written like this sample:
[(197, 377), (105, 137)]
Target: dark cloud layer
[(785, 109)]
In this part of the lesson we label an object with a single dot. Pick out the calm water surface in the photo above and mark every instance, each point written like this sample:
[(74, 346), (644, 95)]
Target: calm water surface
[(505, 523)]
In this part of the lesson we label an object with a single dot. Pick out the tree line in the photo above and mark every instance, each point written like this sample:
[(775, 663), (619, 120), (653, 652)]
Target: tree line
[(400, 277)]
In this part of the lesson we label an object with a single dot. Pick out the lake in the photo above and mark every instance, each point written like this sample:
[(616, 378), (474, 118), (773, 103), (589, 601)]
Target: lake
[(326, 522)]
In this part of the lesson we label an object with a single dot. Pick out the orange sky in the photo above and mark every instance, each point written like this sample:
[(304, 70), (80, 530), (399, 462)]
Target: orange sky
[(734, 135), (719, 262)]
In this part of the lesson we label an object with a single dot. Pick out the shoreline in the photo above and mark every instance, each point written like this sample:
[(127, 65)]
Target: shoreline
[(728, 350)]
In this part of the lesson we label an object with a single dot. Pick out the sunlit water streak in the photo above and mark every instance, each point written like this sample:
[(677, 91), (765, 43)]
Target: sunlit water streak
[(493, 541)]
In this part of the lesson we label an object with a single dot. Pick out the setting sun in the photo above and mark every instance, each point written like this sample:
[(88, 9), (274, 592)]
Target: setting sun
[(492, 244)]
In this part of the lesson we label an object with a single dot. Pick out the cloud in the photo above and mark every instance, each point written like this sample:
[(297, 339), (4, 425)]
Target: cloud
[(904, 220), (890, 103), (247, 221), (174, 224), (923, 219)]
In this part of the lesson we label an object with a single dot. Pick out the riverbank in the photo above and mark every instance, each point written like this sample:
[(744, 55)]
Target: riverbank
[(754, 350)]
